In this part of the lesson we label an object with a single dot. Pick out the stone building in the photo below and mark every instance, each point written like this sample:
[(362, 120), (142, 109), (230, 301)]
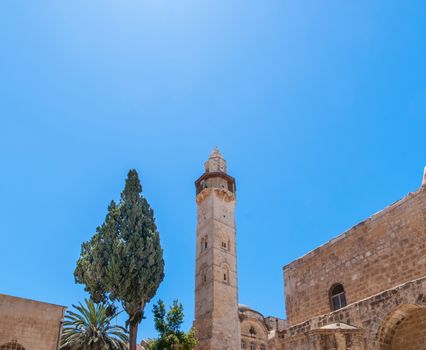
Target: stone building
[(29, 325), (363, 290)]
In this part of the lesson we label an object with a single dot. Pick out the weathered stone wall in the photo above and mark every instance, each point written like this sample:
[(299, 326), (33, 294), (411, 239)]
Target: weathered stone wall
[(254, 333), (392, 320), (216, 294), (411, 334), (265, 330), (275, 323), (380, 253), (32, 324)]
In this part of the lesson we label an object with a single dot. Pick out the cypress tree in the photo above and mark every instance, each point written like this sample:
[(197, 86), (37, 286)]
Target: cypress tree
[(123, 261)]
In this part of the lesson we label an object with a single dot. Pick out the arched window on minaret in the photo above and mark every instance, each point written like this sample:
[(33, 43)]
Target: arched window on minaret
[(204, 243), (225, 242), (225, 274), (203, 274)]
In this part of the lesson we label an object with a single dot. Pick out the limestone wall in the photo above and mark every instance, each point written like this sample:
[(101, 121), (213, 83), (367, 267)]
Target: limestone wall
[(411, 335), (391, 320), (384, 251), (32, 324)]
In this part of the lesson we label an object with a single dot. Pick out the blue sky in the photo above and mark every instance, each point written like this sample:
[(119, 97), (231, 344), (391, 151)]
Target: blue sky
[(319, 108)]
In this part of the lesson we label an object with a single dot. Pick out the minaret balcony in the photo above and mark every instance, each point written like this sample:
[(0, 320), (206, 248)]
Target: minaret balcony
[(217, 180)]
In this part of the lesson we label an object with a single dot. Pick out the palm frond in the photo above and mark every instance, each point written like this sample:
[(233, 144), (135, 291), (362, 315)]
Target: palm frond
[(89, 327)]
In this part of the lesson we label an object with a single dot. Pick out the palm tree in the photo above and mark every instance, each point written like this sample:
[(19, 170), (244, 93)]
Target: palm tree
[(89, 328)]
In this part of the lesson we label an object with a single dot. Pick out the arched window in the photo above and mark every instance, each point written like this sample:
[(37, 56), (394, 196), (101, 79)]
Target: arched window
[(225, 274), (243, 344), (225, 243), (204, 244), (337, 297), (203, 274), (262, 347), (252, 346)]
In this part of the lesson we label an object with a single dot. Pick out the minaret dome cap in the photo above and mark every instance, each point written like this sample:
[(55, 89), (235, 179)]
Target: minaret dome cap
[(216, 153), (215, 163)]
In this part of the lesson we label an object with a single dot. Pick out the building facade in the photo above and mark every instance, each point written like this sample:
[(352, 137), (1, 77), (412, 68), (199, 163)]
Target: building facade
[(363, 290), (29, 325)]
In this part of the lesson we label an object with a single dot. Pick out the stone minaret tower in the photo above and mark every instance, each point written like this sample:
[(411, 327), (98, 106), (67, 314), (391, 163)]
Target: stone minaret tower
[(217, 324)]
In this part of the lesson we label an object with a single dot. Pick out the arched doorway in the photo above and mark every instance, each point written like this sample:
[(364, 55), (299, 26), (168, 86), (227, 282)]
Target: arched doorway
[(404, 328), (13, 345)]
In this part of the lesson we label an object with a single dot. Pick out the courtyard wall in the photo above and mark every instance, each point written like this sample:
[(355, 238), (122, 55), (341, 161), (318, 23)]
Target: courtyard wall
[(32, 324), (378, 254)]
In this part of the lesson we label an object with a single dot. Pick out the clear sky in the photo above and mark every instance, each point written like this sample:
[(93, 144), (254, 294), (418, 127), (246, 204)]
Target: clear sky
[(319, 108)]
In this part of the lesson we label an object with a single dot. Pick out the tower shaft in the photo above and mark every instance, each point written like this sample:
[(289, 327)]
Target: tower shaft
[(217, 324)]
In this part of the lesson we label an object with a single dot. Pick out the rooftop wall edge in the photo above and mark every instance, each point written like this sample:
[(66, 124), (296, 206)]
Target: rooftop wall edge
[(345, 234)]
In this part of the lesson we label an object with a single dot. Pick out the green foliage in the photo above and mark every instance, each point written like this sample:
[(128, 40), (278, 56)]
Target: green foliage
[(168, 326), (124, 259), (89, 328)]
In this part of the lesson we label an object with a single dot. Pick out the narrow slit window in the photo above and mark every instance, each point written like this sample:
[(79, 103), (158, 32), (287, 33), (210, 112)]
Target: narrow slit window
[(225, 274), (203, 244)]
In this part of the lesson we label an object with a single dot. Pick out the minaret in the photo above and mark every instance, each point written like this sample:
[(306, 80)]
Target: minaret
[(217, 325)]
